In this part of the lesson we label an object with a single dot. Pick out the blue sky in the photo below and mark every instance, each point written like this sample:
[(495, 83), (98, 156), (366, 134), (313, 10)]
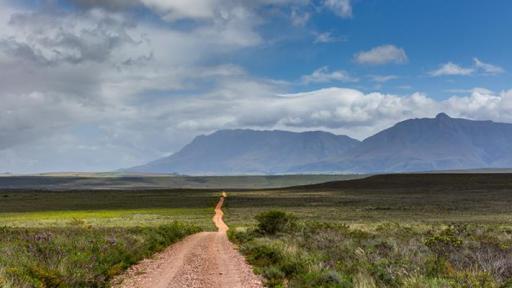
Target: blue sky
[(432, 33), (99, 85)]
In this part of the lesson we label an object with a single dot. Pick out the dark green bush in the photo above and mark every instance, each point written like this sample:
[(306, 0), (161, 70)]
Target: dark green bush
[(272, 222), (274, 276), (324, 279), (263, 254)]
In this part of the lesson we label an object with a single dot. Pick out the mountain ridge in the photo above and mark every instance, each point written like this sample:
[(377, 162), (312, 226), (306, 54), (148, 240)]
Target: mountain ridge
[(413, 145), (246, 151)]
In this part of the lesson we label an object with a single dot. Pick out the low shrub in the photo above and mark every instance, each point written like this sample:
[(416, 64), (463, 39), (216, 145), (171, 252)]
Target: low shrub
[(272, 222)]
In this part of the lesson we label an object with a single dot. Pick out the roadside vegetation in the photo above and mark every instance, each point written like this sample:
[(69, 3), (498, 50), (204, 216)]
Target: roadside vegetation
[(78, 255), (291, 253), (83, 238), (417, 231), (106, 208)]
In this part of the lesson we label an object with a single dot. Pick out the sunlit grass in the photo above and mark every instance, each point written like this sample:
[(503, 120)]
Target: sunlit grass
[(110, 218)]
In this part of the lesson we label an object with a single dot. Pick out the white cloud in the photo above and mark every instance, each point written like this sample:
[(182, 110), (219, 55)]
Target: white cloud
[(487, 68), (98, 68), (382, 55), (450, 69), (341, 8), (196, 10), (323, 75), (298, 18), (327, 37), (383, 78), (183, 9)]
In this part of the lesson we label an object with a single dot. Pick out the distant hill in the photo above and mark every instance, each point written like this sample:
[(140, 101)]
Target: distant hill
[(442, 143), (251, 152), (419, 182), (141, 182), (427, 144)]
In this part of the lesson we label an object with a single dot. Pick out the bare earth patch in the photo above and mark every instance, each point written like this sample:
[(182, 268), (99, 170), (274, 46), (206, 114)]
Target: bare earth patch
[(205, 259)]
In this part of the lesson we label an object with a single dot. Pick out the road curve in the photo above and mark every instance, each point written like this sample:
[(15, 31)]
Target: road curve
[(205, 259)]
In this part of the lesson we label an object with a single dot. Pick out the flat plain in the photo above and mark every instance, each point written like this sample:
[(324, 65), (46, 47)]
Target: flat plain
[(402, 230)]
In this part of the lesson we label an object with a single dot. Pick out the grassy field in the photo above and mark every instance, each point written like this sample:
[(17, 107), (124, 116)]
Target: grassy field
[(79, 255), (70, 181), (423, 230), (40, 208), (421, 198), (84, 238)]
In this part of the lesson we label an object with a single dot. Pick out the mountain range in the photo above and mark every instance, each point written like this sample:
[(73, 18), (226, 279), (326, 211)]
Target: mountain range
[(414, 145)]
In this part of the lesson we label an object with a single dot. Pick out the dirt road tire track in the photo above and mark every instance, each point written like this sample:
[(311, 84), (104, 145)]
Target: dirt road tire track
[(205, 259)]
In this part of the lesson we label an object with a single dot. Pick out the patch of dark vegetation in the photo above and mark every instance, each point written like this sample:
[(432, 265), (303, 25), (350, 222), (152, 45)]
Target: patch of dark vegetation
[(274, 221), (26, 200), (78, 255), (422, 182), (319, 254), (473, 198)]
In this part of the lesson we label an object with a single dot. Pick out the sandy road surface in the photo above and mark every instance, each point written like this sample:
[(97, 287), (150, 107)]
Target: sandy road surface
[(205, 259)]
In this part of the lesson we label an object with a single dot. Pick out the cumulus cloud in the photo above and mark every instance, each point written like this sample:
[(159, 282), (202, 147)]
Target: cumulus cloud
[(97, 71), (324, 75), (48, 40), (341, 8), (168, 10), (340, 110), (196, 10), (382, 55), (450, 69), (487, 68)]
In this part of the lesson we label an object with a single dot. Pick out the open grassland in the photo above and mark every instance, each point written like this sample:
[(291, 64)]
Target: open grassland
[(69, 181), (425, 230), (403, 198), (40, 208), (84, 238), (384, 231)]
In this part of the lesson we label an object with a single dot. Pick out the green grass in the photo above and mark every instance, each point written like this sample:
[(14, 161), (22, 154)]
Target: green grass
[(313, 254), (421, 198), (425, 230), (110, 218), (84, 238), (32, 208), (385, 231), (79, 255)]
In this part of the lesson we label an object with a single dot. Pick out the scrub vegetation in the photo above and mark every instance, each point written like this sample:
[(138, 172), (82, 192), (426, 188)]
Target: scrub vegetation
[(78, 255), (315, 254), (423, 230), (83, 238), (420, 230)]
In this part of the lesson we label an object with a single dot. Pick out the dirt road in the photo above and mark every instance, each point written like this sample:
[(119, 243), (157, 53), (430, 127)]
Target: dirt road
[(205, 259)]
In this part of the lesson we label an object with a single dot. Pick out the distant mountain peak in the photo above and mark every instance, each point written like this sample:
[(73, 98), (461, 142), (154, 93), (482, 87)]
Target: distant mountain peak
[(442, 116), (246, 151)]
